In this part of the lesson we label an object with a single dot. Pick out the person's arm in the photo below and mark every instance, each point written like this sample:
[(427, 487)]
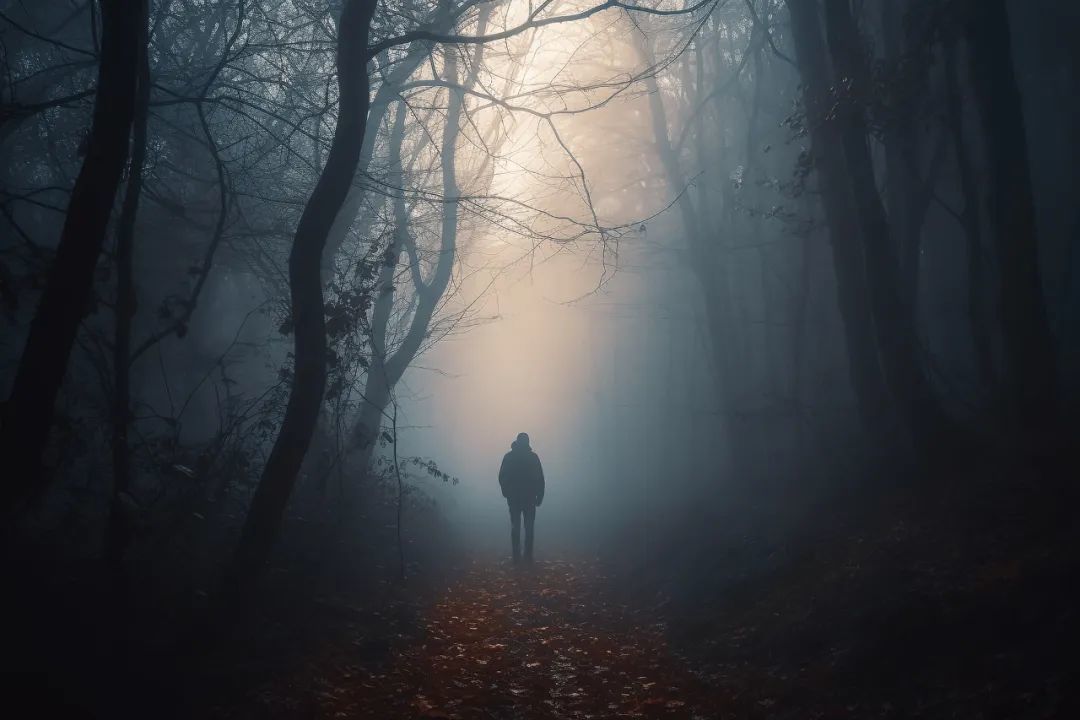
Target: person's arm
[(502, 476), (540, 481)]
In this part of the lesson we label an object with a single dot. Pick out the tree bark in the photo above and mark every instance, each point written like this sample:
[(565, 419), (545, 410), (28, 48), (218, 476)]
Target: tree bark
[(29, 411), (387, 369), (376, 386), (309, 382), (1030, 372), (849, 268), (897, 342), (972, 227), (902, 153), (380, 104), (118, 530)]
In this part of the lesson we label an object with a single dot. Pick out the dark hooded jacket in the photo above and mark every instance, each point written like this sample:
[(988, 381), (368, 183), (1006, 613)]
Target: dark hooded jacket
[(521, 477)]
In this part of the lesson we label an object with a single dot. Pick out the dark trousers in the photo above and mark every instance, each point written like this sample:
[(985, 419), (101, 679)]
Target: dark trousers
[(517, 510)]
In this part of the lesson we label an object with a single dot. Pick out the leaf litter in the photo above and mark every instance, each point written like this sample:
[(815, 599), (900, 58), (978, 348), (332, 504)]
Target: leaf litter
[(549, 643)]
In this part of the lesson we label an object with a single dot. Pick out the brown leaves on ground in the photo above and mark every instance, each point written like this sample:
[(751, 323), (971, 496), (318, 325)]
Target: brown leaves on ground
[(544, 643)]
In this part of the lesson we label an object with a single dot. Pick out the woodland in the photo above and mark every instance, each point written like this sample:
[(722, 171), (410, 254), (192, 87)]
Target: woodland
[(786, 293)]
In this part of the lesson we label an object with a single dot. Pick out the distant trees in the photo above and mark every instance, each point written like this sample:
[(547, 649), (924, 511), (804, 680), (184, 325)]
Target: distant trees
[(1030, 379), (701, 231), (711, 106), (838, 203), (339, 170), (891, 240), (873, 86), (897, 341)]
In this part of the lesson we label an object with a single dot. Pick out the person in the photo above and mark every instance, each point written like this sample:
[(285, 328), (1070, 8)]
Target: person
[(521, 478)]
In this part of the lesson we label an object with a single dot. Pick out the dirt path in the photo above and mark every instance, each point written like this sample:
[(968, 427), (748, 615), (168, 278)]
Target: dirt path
[(547, 643)]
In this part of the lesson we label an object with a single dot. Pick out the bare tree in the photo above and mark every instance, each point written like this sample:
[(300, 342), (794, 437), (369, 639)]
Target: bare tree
[(29, 410), (305, 283), (388, 366)]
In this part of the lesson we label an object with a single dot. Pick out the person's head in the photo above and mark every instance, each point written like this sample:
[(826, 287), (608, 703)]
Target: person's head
[(522, 441)]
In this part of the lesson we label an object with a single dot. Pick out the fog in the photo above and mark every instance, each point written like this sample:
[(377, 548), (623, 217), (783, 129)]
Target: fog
[(782, 292), (586, 371), (593, 346)]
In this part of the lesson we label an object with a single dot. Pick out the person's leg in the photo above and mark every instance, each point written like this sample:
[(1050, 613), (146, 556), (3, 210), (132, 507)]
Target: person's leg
[(530, 522), (515, 531)]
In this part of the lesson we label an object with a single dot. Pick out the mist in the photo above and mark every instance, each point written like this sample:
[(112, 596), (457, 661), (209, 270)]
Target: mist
[(782, 293)]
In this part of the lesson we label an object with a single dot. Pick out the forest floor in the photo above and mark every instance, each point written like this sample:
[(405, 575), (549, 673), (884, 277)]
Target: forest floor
[(959, 602), (947, 602), (549, 641), (962, 606)]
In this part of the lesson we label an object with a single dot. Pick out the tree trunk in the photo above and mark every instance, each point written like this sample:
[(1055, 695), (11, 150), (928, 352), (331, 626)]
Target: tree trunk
[(852, 293), (377, 384), (972, 227), (355, 198), (897, 343), (366, 432), (29, 411), (902, 150), (711, 275), (1030, 370), (309, 382), (118, 530), (387, 369), (380, 104), (909, 187)]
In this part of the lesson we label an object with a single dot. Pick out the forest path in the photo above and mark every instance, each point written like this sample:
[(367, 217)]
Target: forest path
[(547, 642)]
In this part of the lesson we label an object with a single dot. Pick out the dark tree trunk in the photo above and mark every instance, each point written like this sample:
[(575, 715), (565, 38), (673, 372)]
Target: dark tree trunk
[(900, 147), (29, 411), (972, 226), (400, 71), (902, 151), (838, 204), (309, 382), (118, 529), (1030, 371), (909, 185), (897, 343), (380, 105)]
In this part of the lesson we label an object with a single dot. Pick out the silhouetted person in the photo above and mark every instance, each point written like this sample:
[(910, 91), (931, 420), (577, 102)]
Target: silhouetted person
[(522, 481)]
